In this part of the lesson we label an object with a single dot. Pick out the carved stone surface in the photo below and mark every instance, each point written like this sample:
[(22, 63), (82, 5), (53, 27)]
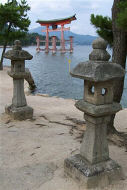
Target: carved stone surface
[(17, 54), (92, 166), (99, 50), (98, 93), (92, 176), (19, 113), (98, 71), (97, 111), (98, 68), (19, 109)]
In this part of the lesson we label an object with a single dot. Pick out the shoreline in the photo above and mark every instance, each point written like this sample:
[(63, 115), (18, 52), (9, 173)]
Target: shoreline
[(28, 92), (48, 95), (75, 44)]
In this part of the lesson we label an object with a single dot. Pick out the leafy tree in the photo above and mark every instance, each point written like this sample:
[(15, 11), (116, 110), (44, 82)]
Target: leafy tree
[(103, 24), (114, 30), (14, 22), (30, 39), (104, 27), (122, 15)]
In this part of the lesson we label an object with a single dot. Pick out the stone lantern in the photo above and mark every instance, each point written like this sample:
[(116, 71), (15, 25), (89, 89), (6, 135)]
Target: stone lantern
[(18, 109), (93, 167)]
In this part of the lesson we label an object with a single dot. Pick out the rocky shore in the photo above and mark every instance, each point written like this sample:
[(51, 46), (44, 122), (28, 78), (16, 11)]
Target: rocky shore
[(32, 152)]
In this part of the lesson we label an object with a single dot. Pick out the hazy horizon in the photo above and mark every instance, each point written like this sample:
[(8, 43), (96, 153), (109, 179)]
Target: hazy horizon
[(55, 9)]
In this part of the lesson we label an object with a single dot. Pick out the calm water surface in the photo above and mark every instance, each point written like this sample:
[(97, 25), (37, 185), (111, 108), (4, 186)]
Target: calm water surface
[(51, 73)]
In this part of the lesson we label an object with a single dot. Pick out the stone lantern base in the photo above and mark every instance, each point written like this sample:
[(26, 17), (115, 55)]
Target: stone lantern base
[(92, 176), (20, 113)]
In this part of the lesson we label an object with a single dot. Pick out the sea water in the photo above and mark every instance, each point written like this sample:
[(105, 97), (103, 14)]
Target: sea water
[(51, 72)]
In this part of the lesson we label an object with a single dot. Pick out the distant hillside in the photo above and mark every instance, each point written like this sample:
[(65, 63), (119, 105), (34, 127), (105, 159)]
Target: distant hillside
[(78, 38)]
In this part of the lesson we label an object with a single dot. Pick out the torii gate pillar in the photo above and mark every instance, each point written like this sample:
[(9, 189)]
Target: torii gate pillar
[(38, 44), (71, 44), (53, 44), (47, 40), (62, 39)]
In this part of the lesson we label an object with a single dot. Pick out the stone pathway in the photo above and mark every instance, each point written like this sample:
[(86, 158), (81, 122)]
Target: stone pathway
[(32, 152)]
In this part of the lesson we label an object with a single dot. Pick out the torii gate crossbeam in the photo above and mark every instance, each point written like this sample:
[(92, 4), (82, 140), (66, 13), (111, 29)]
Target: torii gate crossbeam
[(54, 24)]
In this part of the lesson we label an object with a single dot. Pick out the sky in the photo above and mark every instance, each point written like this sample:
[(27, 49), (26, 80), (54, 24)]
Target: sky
[(55, 9)]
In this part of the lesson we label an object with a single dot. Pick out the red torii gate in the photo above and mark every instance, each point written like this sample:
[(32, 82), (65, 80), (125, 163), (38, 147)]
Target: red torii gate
[(54, 24)]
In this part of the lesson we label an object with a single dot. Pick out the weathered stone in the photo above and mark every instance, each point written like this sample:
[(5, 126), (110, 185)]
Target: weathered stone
[(98, 93), (19, 113), (97, 120), (97, 111), (94, 147), (98, 68), (94, 71), (92, 166), (18, 75), (17, 54), (29, 79), (99, 51), (19, 109), (92, 176), (100, 44)]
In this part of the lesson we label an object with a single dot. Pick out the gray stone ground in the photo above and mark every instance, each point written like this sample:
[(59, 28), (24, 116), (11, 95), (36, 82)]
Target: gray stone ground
[(32, 152)]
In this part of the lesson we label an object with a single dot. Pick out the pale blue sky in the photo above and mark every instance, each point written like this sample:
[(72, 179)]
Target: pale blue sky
[(52, 9)]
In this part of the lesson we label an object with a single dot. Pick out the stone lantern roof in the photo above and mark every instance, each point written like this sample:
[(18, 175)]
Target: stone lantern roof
[(17, 53), (98, 69)]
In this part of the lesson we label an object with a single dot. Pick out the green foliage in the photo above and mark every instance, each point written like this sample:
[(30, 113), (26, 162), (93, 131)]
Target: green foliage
[(30, 39), (104, 27), (100, 21), (14, 22), (104, 24), (122, 16)]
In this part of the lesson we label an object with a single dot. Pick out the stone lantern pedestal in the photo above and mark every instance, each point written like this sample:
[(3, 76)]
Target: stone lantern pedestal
[(18, 109), (93, 166)]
